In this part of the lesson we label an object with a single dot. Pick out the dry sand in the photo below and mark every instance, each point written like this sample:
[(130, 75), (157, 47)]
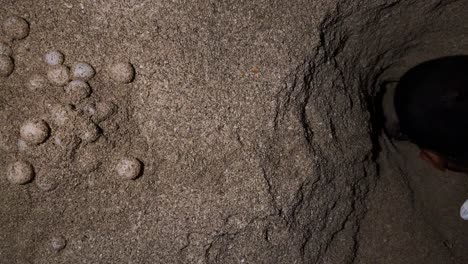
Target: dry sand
[(251, 134)]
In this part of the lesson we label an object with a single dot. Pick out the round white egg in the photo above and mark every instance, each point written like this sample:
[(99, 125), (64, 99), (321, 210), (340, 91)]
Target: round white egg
[(34, 131), (54, 58), (82, 71), (464, 211), (129, 168)]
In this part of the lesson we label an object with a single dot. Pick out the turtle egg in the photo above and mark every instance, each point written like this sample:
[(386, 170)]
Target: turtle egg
[(54, 58), (5, 49), (16, 27), (20, 172), (58, 75), (90, 133), (66, 140), (34, 131), (46, 185), (128, 168), (122, 72), (60, 114), (58, 243), (464, 210), (6, 65), (77, 90), (36, 82), (88, 162), (82, 71), (22, 145), (90, 109), (104, 110)]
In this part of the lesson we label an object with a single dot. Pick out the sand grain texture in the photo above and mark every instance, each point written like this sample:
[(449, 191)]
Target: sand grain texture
[(255, 123)]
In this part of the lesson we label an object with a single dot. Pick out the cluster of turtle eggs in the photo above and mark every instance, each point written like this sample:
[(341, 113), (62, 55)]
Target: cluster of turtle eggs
[(74, 81), (14, 28), (35, 132)]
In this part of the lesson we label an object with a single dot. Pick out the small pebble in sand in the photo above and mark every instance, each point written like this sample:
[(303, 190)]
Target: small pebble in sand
[(54, 58), (77, 90), (82, 71), (58, 75), (35, 131), (128, 168), (20, 172), (7, 65), (58, 243), (122, 72), (36, 82), (16, 27), (5, 49)]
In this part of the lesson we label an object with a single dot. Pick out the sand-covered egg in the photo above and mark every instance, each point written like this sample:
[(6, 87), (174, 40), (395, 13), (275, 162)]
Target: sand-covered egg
[(89, 109), (58, 75), (89, 132), (60, 114), (22, 145), (16, 27), (20, 172), (77, 90), (88, 161), (7, 65), (58, 243), (36, 82), (65, 140), (5, 49), (47, 178), (128, 168), (82, 71), (45, 184), (100, 111), (122, 72), (54, 58), (35, 131)]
